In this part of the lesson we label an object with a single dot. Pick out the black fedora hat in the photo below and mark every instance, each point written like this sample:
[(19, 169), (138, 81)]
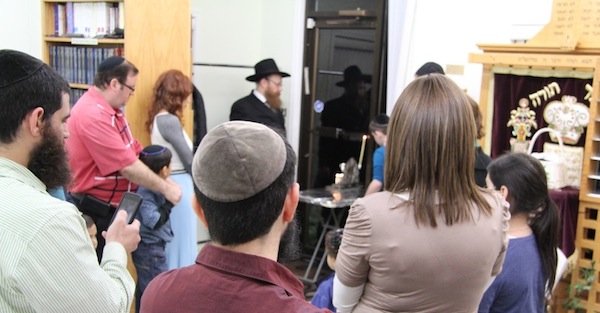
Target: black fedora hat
[(353, 74), (265, 68)]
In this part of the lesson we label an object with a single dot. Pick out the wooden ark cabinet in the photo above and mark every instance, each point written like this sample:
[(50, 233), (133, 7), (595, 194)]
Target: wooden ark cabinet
[(569, 43), (588, 223), (157, 37)]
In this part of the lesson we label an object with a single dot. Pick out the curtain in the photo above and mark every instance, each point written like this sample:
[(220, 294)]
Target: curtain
[(509, 88)]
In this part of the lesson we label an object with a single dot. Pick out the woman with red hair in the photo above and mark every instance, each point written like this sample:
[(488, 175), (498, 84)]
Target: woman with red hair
[(172, 92)]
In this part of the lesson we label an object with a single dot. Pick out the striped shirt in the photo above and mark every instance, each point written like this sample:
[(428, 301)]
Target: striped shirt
[(47, 263)]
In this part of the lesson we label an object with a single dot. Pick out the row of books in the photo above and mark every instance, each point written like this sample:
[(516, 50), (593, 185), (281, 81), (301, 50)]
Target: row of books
[(87, 19), (78, 64), (75, 95)]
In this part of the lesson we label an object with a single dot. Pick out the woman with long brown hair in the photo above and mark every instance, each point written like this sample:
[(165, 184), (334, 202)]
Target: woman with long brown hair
[(171, 93), (433, 239)]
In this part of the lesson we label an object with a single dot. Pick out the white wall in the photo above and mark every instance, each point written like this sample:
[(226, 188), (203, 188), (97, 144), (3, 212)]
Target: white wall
[(447, 31), (219, 38), (238, 32), (21, 26)]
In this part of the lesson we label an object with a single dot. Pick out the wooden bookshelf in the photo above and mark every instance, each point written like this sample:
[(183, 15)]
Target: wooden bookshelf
[(70, 40), (157, 38)]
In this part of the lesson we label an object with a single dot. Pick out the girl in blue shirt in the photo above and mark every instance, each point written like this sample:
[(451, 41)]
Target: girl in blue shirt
[(529, 269)]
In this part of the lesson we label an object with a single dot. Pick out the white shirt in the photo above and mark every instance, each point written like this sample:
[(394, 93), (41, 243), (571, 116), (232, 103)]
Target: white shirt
[(262, 98), (47, 263)]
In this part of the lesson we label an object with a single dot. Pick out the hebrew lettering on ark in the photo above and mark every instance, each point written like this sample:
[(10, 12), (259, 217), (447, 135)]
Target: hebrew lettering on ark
[(546, 92)]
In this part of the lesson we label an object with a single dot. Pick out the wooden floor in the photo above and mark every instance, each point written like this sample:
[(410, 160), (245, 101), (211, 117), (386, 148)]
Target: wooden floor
[(559, 296)]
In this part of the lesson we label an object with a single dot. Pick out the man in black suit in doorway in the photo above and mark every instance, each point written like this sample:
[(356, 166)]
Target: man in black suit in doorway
[(263, 104)]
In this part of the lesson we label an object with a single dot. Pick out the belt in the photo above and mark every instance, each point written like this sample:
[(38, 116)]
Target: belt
[(77, 196), (91, 205)]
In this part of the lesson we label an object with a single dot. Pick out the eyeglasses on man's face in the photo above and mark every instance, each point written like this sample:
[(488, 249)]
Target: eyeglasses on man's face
[(129, 87), (278, 84)]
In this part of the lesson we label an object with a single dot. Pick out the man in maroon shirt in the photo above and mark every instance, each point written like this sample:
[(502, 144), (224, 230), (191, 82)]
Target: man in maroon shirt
[(246, 196)]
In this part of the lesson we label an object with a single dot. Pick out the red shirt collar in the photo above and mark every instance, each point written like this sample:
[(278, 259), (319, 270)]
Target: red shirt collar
[(101, 101)]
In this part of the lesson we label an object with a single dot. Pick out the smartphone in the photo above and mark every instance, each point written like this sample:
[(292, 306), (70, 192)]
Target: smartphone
[(130, 203)]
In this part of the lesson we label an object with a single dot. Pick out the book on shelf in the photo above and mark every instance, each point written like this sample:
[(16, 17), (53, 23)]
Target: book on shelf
[(59, 19), (121, 17), (87, 19), (69, 16)]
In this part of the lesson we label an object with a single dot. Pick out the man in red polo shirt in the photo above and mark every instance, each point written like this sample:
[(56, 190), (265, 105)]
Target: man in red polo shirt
[(103, 154)]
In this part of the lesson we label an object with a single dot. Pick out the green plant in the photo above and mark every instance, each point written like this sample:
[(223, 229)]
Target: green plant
[(580, 289)]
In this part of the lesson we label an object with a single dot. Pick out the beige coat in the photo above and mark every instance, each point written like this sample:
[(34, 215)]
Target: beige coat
[(410, 268)]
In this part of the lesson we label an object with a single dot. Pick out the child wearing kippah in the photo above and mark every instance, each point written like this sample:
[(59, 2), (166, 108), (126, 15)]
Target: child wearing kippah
[(155, 230), (324, 295)]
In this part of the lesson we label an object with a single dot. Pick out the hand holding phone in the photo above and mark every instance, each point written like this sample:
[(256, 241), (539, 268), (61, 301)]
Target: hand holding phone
[(130, 202), (119, 231), (126, 230)]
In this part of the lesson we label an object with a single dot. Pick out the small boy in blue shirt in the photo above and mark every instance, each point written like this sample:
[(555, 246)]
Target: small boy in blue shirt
[(323, 297), (155, 230), (378, 129)]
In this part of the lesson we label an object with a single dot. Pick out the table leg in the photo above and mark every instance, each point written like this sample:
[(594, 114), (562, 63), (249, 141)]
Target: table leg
[(331, 223), (316, 252)]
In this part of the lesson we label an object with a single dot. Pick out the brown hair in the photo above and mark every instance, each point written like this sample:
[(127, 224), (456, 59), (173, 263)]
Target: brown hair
[(170, 91), (478, 118), (430, 148)]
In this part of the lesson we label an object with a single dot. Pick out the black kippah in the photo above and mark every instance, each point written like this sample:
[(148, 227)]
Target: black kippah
[(110, 63), (16, 66), (382, 119), (152, 150), (430, 68)]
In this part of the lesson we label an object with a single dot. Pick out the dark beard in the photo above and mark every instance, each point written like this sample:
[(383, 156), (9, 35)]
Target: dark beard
[(48, 161), (273, 100), (289, 247)]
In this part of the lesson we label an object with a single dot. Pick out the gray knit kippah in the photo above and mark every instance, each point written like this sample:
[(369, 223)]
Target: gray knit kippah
[(238, 159), (16, 66)]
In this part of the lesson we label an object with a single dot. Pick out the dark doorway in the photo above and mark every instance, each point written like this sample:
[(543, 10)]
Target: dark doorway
[(340, 35), (345, 47)]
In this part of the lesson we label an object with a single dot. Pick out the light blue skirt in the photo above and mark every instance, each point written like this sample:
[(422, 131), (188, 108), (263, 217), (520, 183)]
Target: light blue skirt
[(183, 249)]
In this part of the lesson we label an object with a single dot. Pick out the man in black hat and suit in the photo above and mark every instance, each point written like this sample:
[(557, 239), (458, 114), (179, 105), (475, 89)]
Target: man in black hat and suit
[(350, 113), (263, 104)]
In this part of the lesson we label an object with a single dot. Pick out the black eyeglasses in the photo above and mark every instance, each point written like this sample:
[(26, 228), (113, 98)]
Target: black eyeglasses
[(130, 88), (278, 84)]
